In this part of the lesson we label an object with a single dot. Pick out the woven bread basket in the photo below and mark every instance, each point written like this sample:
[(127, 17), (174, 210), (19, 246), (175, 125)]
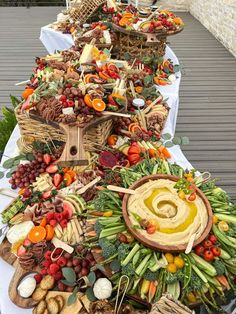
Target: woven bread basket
[(138, 47), (83, 11), (33, 130)]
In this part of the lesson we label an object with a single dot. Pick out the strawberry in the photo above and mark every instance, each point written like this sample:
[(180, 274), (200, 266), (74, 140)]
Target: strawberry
[(47, 158), (52, 169), (54, 268), (57, 179), (62, 261), (70, 103), (21, 251), (50, 216), (27, 243), (53, 223), (63, 223), (47, 255), (38, 278), (46, 194)]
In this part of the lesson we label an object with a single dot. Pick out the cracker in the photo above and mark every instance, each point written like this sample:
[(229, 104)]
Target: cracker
[(61, 301), (53, 306), (47, 282), (39, 294), (41, 307)]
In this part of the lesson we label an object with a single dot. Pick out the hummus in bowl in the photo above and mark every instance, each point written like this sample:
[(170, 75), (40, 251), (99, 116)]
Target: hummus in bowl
[(157, 200)]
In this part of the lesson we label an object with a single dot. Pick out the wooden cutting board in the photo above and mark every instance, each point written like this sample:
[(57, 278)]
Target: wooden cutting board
[(14, 296), (6, 254), (11, 259)]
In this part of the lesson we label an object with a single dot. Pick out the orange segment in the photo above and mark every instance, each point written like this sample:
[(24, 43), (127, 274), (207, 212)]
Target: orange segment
[(49, 232), (104, 75), (98, 105), (71, 173), (112, 139), (43, 222), (68, 179), (88, 100), (37, 234)]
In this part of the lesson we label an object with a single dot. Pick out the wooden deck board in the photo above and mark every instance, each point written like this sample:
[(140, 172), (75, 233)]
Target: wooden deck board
[(207, 113)]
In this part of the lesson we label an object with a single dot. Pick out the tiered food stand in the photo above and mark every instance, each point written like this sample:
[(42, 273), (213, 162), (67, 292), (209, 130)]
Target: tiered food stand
[(109, 217)]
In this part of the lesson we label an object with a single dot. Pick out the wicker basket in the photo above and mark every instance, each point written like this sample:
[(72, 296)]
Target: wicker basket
[(32, 130), (85, 10), (138, 44)]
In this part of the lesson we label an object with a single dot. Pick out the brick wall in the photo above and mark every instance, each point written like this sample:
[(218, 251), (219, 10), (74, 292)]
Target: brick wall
[(175, 5), (219, 17)]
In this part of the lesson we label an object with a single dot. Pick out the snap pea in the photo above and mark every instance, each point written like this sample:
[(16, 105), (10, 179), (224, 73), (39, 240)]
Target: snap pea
[(187, 270)]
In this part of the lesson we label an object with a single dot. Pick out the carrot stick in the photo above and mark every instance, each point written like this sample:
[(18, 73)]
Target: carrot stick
[(152, 290), (90, 234), (166, 152), (223, 281)]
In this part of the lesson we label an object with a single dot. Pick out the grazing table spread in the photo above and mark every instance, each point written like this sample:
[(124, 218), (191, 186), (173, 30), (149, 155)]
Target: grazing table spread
[(106, 213)]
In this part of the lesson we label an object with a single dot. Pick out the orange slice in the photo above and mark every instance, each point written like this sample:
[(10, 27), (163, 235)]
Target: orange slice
[(37, 234), (98, 105), (49, 232), (88, 100), (67, 177)]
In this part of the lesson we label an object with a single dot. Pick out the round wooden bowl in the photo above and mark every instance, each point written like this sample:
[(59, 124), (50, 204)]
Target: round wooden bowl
[(152, 244)]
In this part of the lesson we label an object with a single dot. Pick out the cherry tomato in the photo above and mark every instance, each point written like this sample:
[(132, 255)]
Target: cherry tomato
[(207, 244), (151, 229), (208, 255), (192, 197), (216, 250), (212, 238), (199, 250)]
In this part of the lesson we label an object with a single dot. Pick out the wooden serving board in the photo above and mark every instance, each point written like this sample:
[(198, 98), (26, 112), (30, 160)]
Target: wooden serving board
[(14, 296), (6, 254), (11, 259), (73, 153)]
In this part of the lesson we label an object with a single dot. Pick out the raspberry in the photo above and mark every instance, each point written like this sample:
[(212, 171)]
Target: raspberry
[(53, 223), (44, 271), (54, 268), (62, 98), (38, 278), (57, 276), (62, 261), (46, 263), (58, 251), (65, 214), (63, 223), (47, 255), (50, 216), (59, 217)]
